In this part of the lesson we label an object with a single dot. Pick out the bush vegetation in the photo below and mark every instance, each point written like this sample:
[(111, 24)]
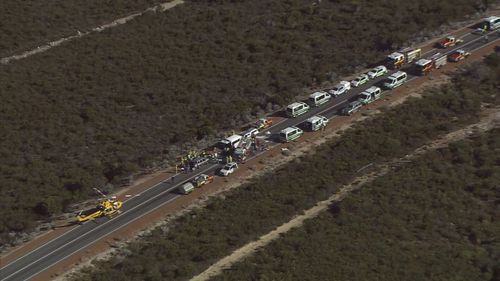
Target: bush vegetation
[(200, 238), (99, 109), (30, 23), (434, 219)]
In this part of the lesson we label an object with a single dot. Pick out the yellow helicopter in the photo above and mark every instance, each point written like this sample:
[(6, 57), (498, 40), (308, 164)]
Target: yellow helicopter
[(107, 207)]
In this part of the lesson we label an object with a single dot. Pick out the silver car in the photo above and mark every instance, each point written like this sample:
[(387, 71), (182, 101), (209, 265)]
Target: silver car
[(377, 72), (360, 80), (351, 108)]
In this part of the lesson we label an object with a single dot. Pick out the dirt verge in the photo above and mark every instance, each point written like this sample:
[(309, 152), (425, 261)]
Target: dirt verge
[(489, 120), (270, 160)]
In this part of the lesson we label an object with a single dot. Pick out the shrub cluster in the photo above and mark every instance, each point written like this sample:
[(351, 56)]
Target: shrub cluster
[(27, 24), (99, 109), (434, 219), (202, 237)]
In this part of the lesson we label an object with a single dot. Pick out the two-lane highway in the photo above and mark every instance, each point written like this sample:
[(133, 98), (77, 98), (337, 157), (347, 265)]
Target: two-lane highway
[(82, 236)]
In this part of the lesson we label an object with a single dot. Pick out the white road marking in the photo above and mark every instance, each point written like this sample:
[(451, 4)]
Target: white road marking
[(168, 190), (106, 222)]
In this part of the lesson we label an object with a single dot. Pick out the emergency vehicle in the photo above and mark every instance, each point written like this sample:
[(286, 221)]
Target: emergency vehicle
[(458, 55), (360, 80), (319, 98), (263, 123), (398, 59), (424, 66), (186, 188), (106, 208), (202, 179), (316, 122), (290, 134), (370, 95), (377, 72), (449, 41), (297, 108), (395, 80)]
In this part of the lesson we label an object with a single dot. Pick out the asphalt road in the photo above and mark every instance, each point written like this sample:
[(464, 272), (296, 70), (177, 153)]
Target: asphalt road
[(81, 236)]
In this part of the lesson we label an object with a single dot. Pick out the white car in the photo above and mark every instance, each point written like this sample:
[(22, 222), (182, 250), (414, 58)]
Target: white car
[(228, 169), (341, 88), (377, 72), (360, 80)]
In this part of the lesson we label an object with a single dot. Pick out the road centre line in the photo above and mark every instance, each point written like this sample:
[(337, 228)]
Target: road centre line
[(106, 222)]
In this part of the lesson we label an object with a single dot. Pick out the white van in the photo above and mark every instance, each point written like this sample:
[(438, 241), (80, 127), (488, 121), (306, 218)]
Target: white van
[(297, 108), (231, 142), (316, 122), (290, 134), (395, 80), (186, 188), (370, 95), (492, 22), (319, 98)]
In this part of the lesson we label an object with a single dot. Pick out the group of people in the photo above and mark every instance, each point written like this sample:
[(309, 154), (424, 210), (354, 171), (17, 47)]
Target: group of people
[(187, 164)]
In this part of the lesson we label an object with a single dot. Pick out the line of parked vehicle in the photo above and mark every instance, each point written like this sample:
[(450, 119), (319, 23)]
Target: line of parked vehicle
[(394, 61), (319, 98)]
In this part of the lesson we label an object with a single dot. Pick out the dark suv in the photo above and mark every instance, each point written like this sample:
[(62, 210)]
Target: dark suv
[(197, 162)]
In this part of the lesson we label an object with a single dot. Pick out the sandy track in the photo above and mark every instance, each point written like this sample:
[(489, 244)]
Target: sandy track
[(40, 49), (487, 122)]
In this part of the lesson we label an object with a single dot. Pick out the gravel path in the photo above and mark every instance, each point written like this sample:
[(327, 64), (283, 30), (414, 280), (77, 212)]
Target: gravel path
[(489, 121)]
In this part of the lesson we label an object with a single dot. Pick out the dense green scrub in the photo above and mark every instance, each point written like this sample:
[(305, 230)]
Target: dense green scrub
[(200, 238), (29, 23), (100, 108), (437, 218)]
